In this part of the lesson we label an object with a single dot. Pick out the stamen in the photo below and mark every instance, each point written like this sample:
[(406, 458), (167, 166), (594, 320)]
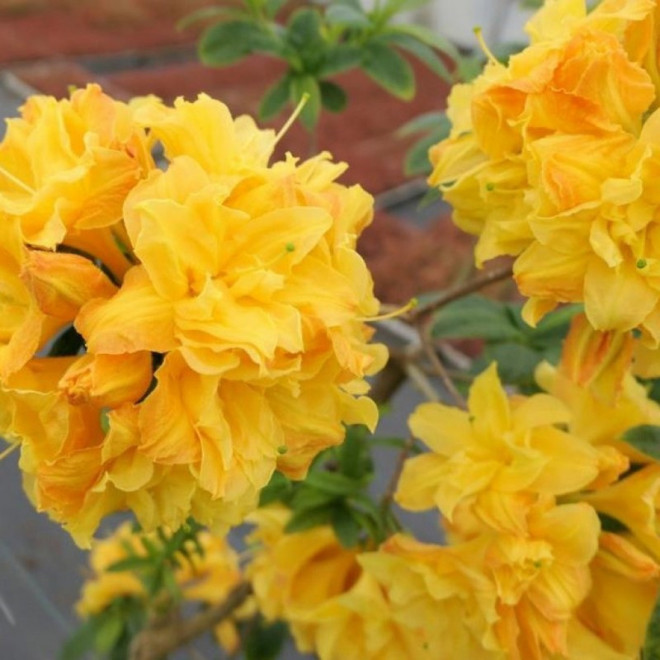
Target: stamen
[(411, 304), (292, 118), (479, 34), (9, 450)]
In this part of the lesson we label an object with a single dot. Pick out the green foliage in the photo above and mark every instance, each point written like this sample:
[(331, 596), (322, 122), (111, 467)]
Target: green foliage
[(264, 641), (319, 41), (335, 492), (644, 438), (508, 340), (651, 649), (107, 634)]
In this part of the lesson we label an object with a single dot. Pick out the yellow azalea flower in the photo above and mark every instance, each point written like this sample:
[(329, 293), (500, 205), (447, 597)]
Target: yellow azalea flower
[(634, 501), (107, 380), (500, 447), (594, 379), (61, 283), (440, 591), (542, 578), (220, 302), (571, 123), (502, 594), (24, 326), (332, 606), (68, 165), (620, 568)]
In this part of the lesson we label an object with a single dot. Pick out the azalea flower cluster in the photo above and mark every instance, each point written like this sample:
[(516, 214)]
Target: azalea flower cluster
[(551, 516), (554, 159), (173, 333), (551, 524)]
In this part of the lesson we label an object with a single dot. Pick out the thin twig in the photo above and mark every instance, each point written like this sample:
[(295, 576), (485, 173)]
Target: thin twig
[(438, 367), (154, 643), (420, 381), (475, 284), (388, 496)]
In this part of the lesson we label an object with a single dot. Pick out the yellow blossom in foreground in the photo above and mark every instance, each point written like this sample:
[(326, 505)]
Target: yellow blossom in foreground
[(502, 594), (491, 455), (333, 607), (553, 159), (219, 301)]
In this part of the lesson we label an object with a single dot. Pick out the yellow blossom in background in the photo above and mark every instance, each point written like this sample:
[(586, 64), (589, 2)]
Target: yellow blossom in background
[(205, 578), (553, 159), (209, 315)]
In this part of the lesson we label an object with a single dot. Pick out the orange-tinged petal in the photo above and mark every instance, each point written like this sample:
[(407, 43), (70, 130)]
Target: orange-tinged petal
[(104, 324)]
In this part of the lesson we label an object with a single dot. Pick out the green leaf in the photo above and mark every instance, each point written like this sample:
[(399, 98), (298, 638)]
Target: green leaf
[(347, 529), (352, 451), (348, 15), (109, 631), (307, 84), (644, 438), (651, 649), (389, 69), (338, 58), (272, 7), (428, 37), (275, 98), (265, 640), (469, 67), (129, 564), (308, 518), (82, 641), (306, 498), (304, 30), (279, 489), (203, 14), (393, 7), (475, 317), (422, 52), (334, 483), (417, 161), (516, 362), (438, 122), (333, 97), (228, 42)]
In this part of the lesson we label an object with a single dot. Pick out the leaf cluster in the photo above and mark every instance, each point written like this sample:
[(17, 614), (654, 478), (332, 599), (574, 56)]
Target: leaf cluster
[(319, 41), (507, 339), (109, 633), (335, 492)]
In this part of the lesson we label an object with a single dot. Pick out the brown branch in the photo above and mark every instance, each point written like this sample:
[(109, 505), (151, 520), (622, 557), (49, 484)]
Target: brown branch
[(156, 641), (475, 284)]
